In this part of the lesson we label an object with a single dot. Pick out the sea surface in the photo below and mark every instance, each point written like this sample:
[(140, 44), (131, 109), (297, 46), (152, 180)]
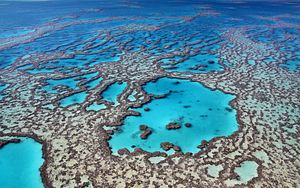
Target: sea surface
[(70, 81), (20, 163), (207, 111)]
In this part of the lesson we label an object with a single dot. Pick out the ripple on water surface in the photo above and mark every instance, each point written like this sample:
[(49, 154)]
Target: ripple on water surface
[(20, 163), (188, 102)]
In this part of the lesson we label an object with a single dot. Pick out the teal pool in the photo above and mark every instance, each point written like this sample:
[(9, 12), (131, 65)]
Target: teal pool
[(197, 64), (75, 98), (112, 92), (95, 107), (188, 102), (20, 163), (71, 82), (93, 84)]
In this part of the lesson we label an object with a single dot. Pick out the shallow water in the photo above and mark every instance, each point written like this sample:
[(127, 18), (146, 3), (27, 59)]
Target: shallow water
[(43, 70), (246, 172), (112, 92), (193, 37), (75, 98), (20, 163), (92, 84), (189, 102), (71, 83), (95, 107), (208, 63)]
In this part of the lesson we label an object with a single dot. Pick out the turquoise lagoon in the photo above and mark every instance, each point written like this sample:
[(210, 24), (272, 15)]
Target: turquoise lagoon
[(187, 102), (75, 98), (69, 82), (92, 84), (20, 163), (95, 107), (112, 92), (208, 62)]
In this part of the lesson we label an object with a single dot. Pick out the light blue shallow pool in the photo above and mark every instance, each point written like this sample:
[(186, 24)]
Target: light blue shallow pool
[(20, 163), (189, 102)]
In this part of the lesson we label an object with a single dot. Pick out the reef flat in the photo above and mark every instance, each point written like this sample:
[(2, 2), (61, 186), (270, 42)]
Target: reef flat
[(74, 81)]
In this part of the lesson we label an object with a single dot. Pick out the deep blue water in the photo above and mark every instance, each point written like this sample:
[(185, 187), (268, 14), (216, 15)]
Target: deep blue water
[(49, 10)]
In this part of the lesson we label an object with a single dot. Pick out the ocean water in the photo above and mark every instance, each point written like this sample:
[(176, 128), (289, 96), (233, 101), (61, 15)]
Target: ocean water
[(113, 91), (42, 70), (20, 163), (75, 98), (95, 107), (187, 102), (205, 63), (71, 37), (71, 83), (246, 171), (93, 44), (93, 83)]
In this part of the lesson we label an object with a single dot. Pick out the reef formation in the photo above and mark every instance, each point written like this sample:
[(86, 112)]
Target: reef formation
[(46, 96)]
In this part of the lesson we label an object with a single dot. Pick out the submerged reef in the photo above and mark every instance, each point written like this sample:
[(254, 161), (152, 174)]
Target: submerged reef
[(74, 82)]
